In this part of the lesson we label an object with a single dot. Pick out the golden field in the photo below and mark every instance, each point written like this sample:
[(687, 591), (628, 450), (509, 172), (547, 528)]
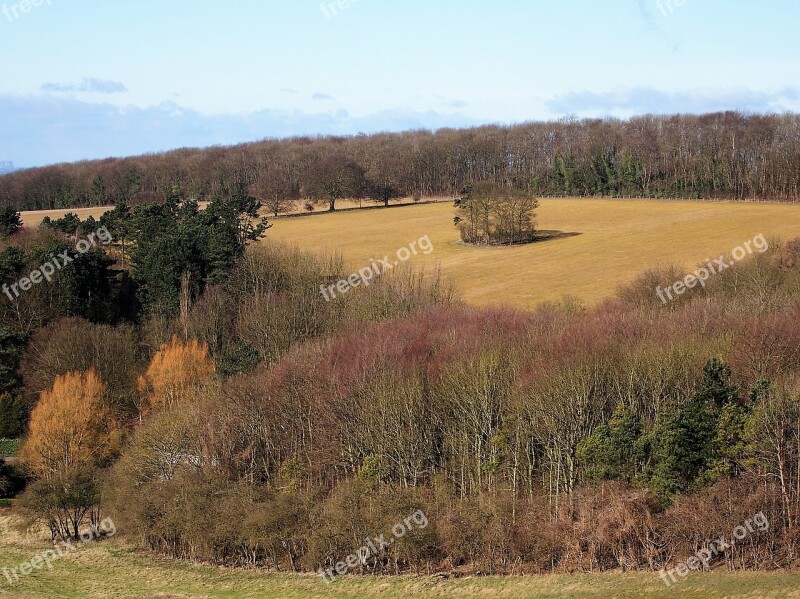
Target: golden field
[(618, 240), (34, 218)]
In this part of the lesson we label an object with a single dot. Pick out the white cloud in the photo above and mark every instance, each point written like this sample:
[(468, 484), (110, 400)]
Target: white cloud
[(89, 85), (645, 100), (50, 129)]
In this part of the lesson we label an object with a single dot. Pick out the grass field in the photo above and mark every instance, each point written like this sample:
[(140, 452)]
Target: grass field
[(34, 218), (111, 570), (618, 239)]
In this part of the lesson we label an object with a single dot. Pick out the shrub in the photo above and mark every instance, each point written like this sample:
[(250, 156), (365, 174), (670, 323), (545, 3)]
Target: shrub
[(9, 447)]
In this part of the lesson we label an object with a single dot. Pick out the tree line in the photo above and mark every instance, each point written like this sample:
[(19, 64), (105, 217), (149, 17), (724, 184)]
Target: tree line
[(724, 155)]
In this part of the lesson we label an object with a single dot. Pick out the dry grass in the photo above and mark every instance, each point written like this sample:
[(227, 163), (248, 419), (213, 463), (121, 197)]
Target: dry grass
[(619, 239), (33, 219), (111, 569)]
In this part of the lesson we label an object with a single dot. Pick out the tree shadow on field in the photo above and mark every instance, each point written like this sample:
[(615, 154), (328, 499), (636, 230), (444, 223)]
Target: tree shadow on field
[(551, 235), (540, 237)]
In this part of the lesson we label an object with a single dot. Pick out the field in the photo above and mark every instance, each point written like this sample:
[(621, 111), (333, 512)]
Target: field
[(33, 218), (618, 240), (612, 242), (111, 570)]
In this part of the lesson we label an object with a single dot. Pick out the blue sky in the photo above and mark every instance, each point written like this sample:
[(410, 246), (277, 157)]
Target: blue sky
[(89, 78)]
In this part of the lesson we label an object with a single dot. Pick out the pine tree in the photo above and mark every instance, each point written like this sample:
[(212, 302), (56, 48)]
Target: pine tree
[(687, 447)]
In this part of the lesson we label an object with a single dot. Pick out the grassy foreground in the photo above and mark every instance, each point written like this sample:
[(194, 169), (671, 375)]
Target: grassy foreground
[(110, 569)]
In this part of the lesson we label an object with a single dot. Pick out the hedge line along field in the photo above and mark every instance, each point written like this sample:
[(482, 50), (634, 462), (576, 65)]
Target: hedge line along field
[(617, 240), (110, 569)]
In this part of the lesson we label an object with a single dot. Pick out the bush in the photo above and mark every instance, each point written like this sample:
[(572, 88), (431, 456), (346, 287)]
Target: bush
[(65, 502), (9, 447)]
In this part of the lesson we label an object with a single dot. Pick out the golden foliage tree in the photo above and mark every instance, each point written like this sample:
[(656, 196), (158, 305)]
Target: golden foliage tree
[(70, 427), (176, 375)]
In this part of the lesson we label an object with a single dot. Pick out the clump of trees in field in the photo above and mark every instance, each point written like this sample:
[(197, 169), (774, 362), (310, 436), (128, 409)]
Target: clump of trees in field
[(724, 155), (490, 214)]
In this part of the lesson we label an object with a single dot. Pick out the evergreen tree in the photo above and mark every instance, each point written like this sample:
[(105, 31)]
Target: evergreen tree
[(612, 451), (687, 447), (10, 221), (11, 348), (179, 248)]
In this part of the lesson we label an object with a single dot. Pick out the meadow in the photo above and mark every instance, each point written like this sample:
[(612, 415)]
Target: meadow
[(616, 241), (111, 569), (608, 242)]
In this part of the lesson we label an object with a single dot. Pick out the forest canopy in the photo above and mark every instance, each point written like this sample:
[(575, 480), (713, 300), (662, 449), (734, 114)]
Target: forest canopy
[(724, 155)]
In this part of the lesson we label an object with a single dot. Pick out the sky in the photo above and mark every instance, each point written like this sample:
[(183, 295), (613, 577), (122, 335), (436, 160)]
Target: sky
[(86, 79)]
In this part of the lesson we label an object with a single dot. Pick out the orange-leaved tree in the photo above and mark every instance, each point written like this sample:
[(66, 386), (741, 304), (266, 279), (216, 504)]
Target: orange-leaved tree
[(176, 375), (70, 427)]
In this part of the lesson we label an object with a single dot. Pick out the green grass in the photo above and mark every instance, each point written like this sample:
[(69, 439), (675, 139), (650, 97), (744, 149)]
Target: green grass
[(8, 447), (112, 570)]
